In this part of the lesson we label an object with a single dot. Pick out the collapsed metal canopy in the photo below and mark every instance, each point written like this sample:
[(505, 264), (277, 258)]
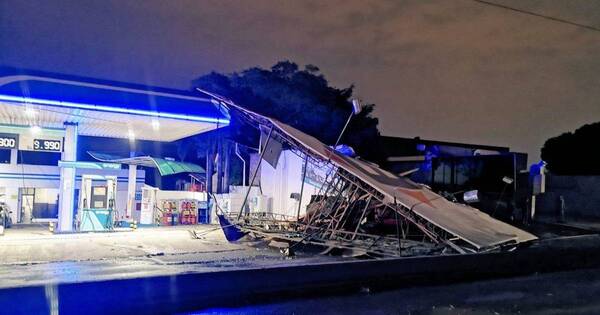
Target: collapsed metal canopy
[(473, 226), (164, 166), (356, 181)]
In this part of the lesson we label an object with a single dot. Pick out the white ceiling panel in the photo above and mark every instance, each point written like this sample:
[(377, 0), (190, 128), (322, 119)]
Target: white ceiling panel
[(102, 124)]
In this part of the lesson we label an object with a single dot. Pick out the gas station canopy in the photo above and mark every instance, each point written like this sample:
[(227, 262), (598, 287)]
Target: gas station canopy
[(105, 108), (47, 112)]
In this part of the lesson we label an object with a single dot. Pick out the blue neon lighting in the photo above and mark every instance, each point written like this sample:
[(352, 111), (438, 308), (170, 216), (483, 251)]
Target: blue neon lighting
[(38, 101)]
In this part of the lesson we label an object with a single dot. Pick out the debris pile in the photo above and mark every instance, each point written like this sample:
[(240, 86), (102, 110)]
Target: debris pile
[(364, 210)]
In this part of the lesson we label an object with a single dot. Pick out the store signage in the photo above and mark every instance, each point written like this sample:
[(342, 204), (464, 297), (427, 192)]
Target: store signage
[(9, 141), (47, 145), (89, 165)]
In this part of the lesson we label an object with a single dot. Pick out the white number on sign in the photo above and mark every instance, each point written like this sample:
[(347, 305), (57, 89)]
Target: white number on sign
[(7, 143), (46, 145)]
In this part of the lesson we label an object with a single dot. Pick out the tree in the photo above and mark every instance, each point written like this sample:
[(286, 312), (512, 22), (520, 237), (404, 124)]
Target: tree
[(574, 153), (301, 98), (184, 146)]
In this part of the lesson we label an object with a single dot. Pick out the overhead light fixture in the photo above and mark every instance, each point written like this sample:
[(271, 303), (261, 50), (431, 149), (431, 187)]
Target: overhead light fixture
[(155, 124), (471, 196), (356, 106), (37, 101), (35, 129)]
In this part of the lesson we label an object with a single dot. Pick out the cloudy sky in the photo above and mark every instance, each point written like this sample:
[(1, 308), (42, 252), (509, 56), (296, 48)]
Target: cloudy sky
[(452, 70)]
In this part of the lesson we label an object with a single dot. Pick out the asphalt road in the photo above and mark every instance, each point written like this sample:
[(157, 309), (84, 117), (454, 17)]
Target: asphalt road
[(166, 270), (574, 292)]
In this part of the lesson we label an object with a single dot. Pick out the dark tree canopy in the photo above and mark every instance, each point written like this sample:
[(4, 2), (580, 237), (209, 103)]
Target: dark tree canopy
[(301, 98), (574, 153)]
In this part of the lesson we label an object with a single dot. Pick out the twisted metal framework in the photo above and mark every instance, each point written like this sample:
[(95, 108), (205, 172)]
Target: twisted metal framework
[(344, 214), (339, 220)]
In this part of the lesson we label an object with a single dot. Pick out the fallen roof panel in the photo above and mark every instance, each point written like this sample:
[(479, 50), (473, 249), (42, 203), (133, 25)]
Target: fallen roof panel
[(467, 223)]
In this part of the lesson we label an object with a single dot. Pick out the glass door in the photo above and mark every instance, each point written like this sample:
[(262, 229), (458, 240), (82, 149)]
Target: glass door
[(27, 202)]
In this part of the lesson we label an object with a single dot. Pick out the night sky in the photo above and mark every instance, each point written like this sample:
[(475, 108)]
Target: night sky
[(445, 70)]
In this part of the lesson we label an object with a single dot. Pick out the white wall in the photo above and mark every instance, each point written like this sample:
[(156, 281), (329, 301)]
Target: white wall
[(232, 202), (280, 183), (177, 194)]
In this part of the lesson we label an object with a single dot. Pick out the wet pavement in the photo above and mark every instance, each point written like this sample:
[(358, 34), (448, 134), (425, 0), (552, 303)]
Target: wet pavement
[(33, 256)]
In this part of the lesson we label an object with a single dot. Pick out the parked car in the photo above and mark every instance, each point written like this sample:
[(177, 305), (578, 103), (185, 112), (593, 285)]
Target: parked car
[(5, 219)]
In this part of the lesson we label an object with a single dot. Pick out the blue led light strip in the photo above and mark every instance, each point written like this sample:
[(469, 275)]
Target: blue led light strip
[(29, 100)]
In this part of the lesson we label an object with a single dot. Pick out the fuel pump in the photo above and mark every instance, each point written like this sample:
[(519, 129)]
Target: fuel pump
[(97, 197)]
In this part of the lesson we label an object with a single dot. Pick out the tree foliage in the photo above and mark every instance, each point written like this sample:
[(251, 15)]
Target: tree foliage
[(574, 153), (301, 98)]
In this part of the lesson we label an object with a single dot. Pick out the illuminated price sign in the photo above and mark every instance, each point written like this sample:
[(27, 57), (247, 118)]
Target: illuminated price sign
[(9, 141), (47, 145)]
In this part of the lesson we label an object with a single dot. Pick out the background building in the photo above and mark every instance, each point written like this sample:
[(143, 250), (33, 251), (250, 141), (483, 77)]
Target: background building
[(499, 175)]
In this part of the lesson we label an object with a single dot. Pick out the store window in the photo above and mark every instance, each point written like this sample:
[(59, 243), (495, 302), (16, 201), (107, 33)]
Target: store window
[(4, 156), (45, 204), (37, 204), (443, 173)]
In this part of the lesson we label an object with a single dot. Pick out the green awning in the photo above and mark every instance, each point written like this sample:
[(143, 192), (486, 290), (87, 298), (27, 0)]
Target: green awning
[(165, 167)]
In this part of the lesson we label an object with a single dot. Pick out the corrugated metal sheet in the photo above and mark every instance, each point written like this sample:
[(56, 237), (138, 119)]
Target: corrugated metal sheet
[(473, 226)]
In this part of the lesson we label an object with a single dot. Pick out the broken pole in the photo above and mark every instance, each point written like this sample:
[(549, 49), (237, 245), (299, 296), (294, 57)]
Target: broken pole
[(302, 187), (262, 154)]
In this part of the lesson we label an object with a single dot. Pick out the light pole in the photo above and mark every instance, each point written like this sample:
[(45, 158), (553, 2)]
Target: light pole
[(356, 109)]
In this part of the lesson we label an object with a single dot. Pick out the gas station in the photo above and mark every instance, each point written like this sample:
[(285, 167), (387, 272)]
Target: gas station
[(42, 176)]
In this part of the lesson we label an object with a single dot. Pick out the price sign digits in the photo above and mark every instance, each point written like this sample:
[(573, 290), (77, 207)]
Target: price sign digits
[(47, 145), (9, 141)]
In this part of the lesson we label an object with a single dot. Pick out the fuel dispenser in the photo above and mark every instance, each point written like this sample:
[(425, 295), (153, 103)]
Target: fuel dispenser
[(97, 203)]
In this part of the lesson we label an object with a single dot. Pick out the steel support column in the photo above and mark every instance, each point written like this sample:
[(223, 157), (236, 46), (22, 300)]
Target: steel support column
[(131, 184), (67, 180)]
